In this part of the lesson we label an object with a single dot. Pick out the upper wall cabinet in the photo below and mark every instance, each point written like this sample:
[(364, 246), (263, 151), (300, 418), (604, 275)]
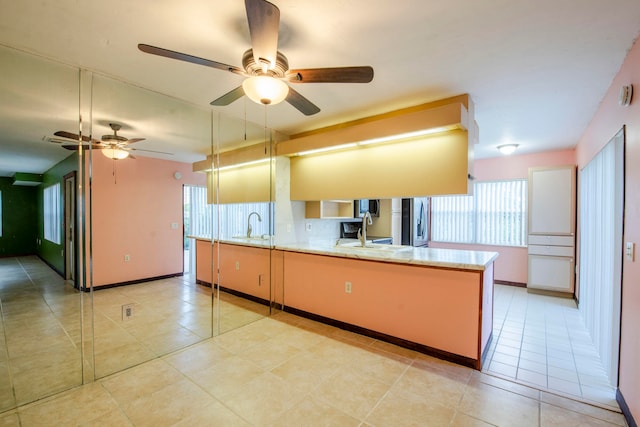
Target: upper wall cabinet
[(552, 205), (240, 171), (431, 165), (419, 151)]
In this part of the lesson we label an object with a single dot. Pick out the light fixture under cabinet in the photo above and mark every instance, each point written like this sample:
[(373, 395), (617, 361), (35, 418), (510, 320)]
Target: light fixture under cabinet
[(408, 135), (325, 149), (389, 139)]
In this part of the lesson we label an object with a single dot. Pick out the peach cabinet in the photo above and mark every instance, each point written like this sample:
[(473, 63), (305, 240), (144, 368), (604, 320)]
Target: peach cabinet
[(444, 312), (248, 270), (243, 269)]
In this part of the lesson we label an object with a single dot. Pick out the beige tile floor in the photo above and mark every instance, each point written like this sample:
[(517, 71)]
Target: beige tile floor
[(289, 371), (285, 370), (40, 333), (542, 341), (39, 348)]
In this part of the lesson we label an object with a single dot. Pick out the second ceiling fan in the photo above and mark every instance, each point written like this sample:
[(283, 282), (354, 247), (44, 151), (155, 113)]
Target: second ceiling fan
[(267, 69)]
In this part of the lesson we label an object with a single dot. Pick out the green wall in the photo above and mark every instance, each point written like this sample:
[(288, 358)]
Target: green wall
[(49, 251), (19, 219)]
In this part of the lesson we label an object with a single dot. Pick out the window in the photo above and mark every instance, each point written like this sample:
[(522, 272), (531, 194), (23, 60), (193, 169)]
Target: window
[(198, 220), (52, 213), (495, 215), (224, 221)]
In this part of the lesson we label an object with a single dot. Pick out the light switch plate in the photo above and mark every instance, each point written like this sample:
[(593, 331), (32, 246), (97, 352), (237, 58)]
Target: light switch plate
[(629, 251)]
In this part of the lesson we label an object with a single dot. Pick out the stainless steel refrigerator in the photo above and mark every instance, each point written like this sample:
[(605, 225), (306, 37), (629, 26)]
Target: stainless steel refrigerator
[(415, 221)]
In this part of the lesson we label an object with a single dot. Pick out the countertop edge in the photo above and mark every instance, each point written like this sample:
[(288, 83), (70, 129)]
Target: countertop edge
[(458, 259)]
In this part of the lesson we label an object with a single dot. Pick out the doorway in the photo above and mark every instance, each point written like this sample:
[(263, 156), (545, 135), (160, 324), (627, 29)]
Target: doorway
[(197, 223), (70, 227)]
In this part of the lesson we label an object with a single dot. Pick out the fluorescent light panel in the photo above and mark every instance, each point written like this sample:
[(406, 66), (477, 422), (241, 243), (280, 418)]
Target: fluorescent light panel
[(239, 165), (391, 138), (407, 135), (324, 149)]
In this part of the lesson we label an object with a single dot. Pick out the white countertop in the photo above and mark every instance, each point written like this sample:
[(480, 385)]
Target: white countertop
[(433, 257), (258, 242)]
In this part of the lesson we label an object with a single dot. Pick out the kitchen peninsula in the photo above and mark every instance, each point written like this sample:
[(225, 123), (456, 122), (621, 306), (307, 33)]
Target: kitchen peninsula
[(436, 301)]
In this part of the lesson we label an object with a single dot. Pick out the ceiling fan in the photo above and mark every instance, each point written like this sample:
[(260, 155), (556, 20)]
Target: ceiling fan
[(112, 145), (267, 69)]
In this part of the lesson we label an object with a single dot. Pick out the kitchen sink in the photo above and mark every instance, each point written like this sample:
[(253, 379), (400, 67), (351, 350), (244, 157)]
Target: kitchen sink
[(257, 238), (374, 247)]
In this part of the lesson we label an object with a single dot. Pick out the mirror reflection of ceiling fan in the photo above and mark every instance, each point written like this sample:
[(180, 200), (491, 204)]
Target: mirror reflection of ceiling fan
[(113, 146), (267, 69)]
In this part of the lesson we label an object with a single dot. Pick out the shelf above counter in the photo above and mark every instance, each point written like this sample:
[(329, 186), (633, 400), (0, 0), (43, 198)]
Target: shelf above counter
[(329, 209)]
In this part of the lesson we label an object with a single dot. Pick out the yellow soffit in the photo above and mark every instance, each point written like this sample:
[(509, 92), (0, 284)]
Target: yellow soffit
[(252, 154), (448, 114)]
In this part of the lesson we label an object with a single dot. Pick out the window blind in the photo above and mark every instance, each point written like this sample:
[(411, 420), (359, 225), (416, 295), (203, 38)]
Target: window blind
[(495, 215)]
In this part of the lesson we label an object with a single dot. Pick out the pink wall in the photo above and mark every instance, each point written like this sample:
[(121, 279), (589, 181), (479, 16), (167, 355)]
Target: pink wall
[(607, 121), (132, 215), (511, 265)]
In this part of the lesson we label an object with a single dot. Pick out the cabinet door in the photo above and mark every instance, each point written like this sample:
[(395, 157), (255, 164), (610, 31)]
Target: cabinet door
[(552, 200), (551, 273)]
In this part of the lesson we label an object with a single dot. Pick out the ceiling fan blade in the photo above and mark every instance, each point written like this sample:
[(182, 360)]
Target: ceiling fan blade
[(331, 75), (188, 58), (132, 140), (264, 24), (301, 103), (70, 135), (84, 146), (148, 151), (229, 97)]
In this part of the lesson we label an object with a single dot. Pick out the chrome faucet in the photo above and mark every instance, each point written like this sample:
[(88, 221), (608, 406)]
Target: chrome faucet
[(362, 232), (249, 223)]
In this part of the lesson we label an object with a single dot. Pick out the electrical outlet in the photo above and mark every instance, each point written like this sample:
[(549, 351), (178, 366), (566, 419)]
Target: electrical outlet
[(307, 226), (288, 228), (237, 265), (127, 258), (347, 287), (127, 312)]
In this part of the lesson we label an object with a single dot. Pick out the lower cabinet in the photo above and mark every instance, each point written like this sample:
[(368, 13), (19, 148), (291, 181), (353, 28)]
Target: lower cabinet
[(448, 311), (551, 263), (551, 273)]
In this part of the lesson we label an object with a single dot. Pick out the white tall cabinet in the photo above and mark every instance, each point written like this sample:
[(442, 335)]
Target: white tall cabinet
[(552, 224)]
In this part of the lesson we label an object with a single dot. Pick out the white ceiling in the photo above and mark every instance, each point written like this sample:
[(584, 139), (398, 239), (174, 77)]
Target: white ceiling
[(535, 69)]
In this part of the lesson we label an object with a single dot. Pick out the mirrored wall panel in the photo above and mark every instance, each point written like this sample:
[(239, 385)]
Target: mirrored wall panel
[(242, 185), (143, 144), (40, 304), (113, 251)]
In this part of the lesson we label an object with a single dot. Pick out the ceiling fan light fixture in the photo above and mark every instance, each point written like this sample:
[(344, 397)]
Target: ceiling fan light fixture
[(115, 153), (507, 149), (265, 90)]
